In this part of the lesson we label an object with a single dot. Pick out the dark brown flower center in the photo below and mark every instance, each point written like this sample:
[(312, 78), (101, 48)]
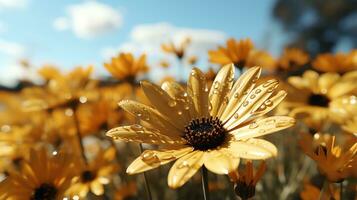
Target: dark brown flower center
[(318, 100), (45, 192), (87, 176), (206, 133), (323, 150), (239, 64)]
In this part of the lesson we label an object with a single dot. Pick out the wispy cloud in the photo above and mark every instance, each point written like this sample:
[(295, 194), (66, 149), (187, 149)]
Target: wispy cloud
[(13, 3), (12, 49), (147, 38), (89, 19)]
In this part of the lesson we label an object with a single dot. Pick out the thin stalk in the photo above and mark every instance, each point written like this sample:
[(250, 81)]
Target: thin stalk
[(205, 183), (325, 185), (341, 190), (79, 137), (147, 187)]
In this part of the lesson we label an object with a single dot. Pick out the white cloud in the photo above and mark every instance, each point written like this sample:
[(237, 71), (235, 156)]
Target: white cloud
[(11, 48), (147, 38), (89, 19), (11, 72), (13, 3)]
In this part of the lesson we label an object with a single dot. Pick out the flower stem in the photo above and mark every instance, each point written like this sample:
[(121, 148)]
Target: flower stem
[(341, 190), (324, 186), (147, 186), (79, 137), (205, 183)]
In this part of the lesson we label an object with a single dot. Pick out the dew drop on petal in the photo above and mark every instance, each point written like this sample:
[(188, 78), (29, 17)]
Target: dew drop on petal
[(253, 125)]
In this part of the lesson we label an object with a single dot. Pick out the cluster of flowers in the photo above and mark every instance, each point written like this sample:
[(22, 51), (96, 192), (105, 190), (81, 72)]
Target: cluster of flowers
[(72, 136)]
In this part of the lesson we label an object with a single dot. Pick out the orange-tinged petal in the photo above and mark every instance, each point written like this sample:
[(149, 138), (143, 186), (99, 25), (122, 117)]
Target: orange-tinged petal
[(197, 89)]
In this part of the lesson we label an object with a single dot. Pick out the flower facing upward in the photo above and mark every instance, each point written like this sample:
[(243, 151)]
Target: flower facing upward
[(199, 126), (95, 175), (340, 62), (42, 177), (326, 95), (245, 182), (236, 52), (334, 164), (126, 67)]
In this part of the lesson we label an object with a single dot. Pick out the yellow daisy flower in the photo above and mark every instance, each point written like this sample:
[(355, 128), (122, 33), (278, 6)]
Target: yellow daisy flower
[(334, 164), (321, 96), (95, 175), (126, 67), (200, 126), (236, 52), (340, 62), (43, 176), (245, 182)]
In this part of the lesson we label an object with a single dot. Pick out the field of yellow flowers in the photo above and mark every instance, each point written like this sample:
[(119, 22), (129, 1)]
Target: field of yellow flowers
[(253, 126)]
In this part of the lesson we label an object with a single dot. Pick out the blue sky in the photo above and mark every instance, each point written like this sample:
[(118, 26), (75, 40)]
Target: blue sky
[(30, 26)]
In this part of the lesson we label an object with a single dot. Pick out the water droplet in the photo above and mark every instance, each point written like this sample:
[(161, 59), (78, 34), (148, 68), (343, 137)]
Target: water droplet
[(252, 96), (193, 73), (187, 107), (179, 112), (236, 95), (185, 94), (268, 103), (172, 103), (253, 125), (83, 99), (245, 103), (139, 114), (149, 157), (236, 115), (68, 112), (215, 91), (257, 91), (216, 85), (183, 164), (138, 128)]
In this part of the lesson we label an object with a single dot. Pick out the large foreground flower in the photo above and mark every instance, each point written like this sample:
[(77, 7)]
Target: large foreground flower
[(198, 126)]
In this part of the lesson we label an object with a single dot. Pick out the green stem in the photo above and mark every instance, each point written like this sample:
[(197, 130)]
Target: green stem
[(205, 183)]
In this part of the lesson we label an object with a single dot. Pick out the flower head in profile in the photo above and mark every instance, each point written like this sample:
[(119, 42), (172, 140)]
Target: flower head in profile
[(126, 68), (43, 176), (328, 95), (245, 181), (338, 63), (292, 59), (200, 126), (334, 164), (178, 50), (236, 52)]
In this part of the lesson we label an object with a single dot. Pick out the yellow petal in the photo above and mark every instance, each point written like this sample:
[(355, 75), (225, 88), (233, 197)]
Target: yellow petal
[(311, 78), (221, 87), (326, 81), (254, 149), (342, 88), (197, 89), (140, 134), (151, 159), (163, 103), (270, 104), (97, 188), (253, 102), (240, 91), (184, 101), (184, 168), (220, 162), (151, 116), (263, 127)]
